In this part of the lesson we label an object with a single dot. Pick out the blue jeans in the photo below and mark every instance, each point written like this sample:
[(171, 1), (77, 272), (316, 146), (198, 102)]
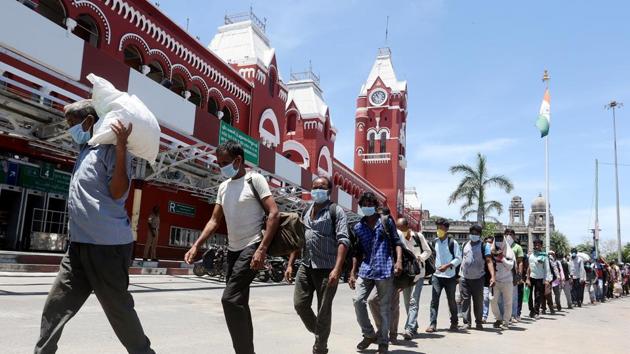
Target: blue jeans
[(384, 289), (412, 300)]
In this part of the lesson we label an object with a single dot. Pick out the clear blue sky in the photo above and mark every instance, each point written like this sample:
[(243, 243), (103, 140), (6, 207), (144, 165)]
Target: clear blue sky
[(473, 70)]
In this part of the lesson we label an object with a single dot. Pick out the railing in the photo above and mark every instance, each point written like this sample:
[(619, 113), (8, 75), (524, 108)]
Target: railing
[(246, 16), (377, 157), (31, 93), (305, 75)]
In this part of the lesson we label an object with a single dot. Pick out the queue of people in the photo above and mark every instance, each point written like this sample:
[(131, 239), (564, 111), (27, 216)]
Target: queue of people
[(490, 274)]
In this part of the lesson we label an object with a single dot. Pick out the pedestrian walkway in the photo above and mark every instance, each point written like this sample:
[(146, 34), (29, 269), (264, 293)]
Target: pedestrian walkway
[(183, 314)]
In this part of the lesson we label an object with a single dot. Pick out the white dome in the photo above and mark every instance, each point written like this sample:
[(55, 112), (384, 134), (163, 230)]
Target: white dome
[(539, 204)]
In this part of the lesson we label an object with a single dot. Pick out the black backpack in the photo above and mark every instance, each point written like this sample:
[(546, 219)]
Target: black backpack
[(429, 264)]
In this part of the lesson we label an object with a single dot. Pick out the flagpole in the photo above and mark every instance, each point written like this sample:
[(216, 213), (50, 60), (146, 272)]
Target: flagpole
[(547, 230)]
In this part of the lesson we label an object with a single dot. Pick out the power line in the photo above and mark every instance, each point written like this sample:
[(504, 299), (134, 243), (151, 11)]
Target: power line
[(612, 164)]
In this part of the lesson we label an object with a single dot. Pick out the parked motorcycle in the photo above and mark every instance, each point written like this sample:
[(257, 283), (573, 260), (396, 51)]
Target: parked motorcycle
[(212, 263), (273, 269)]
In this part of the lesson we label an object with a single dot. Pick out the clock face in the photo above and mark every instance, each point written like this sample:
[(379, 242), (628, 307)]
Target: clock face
[(378, 97)]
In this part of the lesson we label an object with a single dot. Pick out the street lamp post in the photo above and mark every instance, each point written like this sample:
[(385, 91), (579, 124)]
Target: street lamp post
[(613, 105)]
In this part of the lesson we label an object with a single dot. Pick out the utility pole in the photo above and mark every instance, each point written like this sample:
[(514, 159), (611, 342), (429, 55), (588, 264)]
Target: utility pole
[(613, 105), (596, 229)]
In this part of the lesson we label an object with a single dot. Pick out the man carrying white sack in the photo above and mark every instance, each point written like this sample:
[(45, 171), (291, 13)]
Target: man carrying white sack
[(99, 254)]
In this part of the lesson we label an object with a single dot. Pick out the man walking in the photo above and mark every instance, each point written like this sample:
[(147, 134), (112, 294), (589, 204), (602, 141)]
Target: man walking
[(411, 295), (376, 265), (503, 262), (321, 264), (152, 236), (476, 259), (557, 283), (538, 277), (517, 292), (578, 276), (448, 256), (567, 285), (99, 254), (243, 199)]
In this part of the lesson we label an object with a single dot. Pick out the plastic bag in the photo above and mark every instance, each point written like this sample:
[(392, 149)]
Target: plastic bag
[(526, 294), (111, 105)]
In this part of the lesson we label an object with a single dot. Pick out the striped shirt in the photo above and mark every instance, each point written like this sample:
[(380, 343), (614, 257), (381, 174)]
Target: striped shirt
[(322, 239)]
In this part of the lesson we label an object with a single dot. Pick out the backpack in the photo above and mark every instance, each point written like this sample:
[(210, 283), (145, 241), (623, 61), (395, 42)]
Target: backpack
[(486, 277), (290, 234), (410, 264), (451, 248), (429, 264)]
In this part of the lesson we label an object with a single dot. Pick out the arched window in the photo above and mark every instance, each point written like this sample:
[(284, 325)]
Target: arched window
[(178, 85), (213, 106), (272, 83), (87, 30), (291, 122), (133, 59), (227, 116), (371, 142), (157, 73), (383, 142), (52, 10), (195, 96)]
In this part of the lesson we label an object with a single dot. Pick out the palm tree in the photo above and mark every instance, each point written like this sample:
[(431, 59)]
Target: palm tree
[(472, 190)]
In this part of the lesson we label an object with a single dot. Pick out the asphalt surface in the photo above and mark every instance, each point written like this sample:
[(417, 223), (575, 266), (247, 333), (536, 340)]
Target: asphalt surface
[(183, 314)]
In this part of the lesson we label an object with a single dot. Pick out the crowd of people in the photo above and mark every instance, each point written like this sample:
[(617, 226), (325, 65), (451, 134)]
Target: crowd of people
[(491, 273)]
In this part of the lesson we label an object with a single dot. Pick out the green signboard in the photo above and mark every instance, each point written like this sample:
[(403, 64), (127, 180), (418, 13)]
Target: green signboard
[(45, 179), (250, 145), (181, 209)]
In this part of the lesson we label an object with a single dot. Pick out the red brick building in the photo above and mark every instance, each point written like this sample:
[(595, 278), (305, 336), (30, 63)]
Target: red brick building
[(200, 95)]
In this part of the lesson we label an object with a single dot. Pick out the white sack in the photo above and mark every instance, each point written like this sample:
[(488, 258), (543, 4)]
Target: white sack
[(111, 105)]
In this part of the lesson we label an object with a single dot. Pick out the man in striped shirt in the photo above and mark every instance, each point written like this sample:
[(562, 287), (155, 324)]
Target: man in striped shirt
[(327, 242)]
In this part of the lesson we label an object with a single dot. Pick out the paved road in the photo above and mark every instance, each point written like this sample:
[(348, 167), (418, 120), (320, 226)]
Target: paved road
[(183, 315)]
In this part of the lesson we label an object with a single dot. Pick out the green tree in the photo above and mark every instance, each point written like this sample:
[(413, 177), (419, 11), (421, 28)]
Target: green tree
[(472, 190), (559, 243), (489, 229), (585, 247), (625, 253)]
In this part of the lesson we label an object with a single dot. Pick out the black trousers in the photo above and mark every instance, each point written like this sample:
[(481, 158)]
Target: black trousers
[(521, 289), (308, 282), (235, 299), (472, 289), (104, 270), (577, 292), (449, 285), (538, 292)]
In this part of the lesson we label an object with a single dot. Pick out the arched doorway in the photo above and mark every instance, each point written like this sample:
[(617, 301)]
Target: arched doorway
[(133, 59), (156, 72), (53, 10), (87, 29)]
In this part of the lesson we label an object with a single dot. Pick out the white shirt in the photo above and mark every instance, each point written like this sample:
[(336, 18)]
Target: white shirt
[(423, 255), (243, 213)]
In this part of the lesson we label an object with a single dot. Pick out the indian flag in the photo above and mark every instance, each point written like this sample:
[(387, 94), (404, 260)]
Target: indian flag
[(544, 117)]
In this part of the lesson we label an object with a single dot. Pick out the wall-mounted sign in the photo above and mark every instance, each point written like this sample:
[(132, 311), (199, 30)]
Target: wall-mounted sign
[(181, 209), (250, 145)]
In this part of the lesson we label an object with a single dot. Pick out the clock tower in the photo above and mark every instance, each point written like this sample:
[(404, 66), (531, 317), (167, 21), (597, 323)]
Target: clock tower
[(380, 124)]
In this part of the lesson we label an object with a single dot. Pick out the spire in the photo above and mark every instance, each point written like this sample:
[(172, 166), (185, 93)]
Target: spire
[(383, 68)]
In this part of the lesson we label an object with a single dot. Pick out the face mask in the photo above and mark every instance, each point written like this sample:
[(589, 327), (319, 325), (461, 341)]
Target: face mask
[(573, 255), (441, 234), (509, 240), (474, 238), (78, 135), (368, 211), (498, 244), (319, 195), (229, 171)]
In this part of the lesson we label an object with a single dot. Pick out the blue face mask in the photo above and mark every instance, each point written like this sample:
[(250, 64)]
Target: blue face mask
[(368, 211), (319, 196), (474, 238), (78, 135), (229, 171)]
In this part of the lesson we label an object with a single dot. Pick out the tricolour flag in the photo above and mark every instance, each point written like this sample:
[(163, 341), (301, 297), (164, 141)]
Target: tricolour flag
[(544, 117)]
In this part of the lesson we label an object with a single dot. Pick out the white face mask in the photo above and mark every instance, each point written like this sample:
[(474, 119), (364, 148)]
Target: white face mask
[(474, 238), (510, 240)]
